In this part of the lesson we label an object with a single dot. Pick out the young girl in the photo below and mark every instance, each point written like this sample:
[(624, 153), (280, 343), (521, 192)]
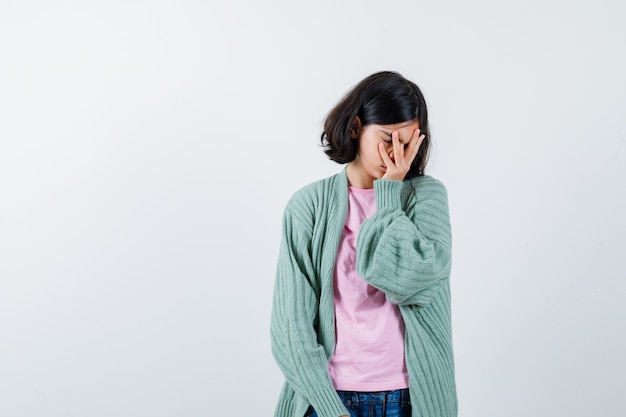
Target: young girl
[(361, 311)]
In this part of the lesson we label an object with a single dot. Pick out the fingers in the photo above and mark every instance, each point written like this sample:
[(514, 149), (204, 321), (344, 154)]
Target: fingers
[(399, 160), (398, 147), (416, 142), (383, 154), (404, 154)]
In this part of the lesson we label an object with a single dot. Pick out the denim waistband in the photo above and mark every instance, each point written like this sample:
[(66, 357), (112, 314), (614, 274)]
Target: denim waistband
[(396, 396)]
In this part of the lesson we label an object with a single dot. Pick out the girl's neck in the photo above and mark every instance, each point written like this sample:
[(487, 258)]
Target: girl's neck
[(357, 177)]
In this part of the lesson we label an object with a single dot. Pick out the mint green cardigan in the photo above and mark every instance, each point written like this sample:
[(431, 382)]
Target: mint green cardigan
[(403, 250)]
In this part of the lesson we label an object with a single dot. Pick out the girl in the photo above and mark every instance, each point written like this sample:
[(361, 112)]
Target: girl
[(361, 311)]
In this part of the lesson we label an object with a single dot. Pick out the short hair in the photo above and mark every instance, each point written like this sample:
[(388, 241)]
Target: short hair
[(382, 98)]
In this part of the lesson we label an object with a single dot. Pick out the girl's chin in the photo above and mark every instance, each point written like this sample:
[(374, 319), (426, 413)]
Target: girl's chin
[(378, 174)]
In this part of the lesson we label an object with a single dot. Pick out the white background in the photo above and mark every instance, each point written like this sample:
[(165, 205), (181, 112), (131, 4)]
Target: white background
[(147, 149)]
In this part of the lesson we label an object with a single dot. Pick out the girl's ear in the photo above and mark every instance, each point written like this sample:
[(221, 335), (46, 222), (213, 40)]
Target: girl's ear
[(355, 129)]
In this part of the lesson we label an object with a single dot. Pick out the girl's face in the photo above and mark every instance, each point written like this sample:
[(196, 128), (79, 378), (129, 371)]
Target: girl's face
[(368, 164)]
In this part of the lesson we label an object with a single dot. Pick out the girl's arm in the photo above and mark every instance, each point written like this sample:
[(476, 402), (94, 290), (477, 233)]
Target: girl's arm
[(296, 350), (407, 256)]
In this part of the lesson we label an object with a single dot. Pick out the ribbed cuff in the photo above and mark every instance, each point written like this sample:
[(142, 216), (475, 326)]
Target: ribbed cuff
[(328, 403), (387, 194)]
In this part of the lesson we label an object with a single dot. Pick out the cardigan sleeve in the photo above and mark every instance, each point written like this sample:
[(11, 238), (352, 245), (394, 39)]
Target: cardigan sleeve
[(407, 254), (295, 346)]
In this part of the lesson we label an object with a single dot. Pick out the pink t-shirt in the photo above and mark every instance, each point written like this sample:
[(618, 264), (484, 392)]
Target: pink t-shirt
[(369, 354)]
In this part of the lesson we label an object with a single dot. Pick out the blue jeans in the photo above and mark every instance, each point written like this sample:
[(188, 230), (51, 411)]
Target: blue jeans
[(374, 404)]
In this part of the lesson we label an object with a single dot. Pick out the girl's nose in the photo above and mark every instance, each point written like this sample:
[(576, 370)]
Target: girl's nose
[(391, 156)]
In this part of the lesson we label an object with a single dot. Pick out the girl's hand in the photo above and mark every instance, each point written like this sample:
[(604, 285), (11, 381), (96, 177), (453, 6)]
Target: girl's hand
[(398, 161)]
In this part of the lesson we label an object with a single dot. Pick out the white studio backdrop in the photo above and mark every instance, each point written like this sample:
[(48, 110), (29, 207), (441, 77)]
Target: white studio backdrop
[(147, 150)]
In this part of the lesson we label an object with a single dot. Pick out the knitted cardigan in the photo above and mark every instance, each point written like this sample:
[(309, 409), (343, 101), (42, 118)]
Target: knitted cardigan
[(403, 250)]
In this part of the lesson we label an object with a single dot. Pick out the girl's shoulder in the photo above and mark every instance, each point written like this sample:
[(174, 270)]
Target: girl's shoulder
[(315, 193)]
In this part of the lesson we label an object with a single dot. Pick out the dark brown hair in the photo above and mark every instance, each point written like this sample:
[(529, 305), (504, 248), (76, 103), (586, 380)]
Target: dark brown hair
[(383, 98)]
